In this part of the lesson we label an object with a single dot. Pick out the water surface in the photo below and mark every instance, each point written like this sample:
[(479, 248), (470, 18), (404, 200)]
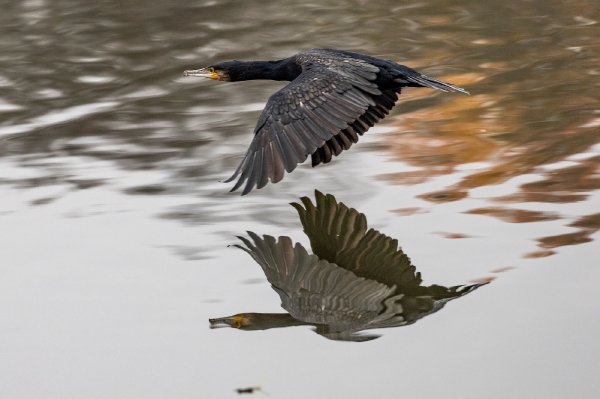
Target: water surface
[(115, 226)]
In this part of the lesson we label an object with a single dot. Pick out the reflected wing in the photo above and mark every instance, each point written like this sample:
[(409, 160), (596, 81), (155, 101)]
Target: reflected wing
[(314, 290), (339, 234), (321, 113)]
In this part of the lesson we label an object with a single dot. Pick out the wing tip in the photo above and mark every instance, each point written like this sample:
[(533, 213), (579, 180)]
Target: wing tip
[(229, 179), (239, 183), (246, 190)]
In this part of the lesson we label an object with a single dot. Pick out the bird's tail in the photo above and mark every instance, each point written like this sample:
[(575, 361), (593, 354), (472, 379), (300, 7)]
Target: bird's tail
[(426, 81)]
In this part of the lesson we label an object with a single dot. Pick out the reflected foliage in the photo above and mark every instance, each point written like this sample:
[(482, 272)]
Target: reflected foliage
[(356, 279), (534, 103)]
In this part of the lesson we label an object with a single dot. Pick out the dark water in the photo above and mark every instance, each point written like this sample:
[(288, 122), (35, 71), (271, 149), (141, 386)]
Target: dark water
[(115, 226)]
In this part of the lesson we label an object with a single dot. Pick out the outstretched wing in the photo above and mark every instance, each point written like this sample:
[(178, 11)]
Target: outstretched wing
[(339, 234), (321, 113), (312, 289)]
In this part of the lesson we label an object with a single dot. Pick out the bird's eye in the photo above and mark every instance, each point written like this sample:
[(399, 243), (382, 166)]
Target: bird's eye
[(211, 69)]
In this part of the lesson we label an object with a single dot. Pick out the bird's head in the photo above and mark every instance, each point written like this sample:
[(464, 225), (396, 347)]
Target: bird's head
[(217, 72), (237, 321)]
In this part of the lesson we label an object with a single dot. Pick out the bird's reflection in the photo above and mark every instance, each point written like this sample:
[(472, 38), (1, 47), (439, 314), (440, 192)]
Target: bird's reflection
[(357, 278)]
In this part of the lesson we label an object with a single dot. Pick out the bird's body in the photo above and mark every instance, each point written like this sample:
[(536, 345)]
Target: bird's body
[(334, 97)]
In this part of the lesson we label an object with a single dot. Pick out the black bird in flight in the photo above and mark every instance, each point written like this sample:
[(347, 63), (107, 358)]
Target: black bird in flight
[(357, 279), (334, 97)]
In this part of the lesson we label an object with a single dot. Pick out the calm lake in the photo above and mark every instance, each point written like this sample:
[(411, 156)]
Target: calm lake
[(118, 237)]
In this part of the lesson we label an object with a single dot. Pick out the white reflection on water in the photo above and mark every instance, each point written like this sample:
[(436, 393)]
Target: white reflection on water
[(58, 117)]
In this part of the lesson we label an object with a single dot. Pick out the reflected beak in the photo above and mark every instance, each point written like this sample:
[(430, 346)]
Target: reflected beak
[(202, 72), (232, 321)]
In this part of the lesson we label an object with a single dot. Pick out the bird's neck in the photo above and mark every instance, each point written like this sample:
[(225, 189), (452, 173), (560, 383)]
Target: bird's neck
[(269, 70)]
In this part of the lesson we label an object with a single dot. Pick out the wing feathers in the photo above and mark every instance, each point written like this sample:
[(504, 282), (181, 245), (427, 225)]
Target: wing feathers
[(339, 235), (349, 135)]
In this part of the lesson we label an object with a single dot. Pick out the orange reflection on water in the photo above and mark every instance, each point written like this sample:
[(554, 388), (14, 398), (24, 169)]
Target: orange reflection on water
[(515, 215), (531, 113)]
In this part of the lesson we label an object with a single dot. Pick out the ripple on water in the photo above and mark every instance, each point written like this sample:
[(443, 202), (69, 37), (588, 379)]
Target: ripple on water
[(115, 225)]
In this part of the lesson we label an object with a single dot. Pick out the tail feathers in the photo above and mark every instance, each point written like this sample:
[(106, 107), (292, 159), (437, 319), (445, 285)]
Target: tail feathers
[(426, 81)]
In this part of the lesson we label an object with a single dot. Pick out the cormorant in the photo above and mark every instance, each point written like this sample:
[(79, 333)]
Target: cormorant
[(356, 279), (334, 96)]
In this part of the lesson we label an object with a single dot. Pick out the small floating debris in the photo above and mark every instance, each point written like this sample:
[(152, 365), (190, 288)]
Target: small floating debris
[(250, 390)]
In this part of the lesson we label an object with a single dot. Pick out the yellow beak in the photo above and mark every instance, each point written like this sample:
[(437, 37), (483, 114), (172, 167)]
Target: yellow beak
[(202, 72)]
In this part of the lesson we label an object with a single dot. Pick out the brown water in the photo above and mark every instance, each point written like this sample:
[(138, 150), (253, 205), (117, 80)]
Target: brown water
[(115, 226)]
